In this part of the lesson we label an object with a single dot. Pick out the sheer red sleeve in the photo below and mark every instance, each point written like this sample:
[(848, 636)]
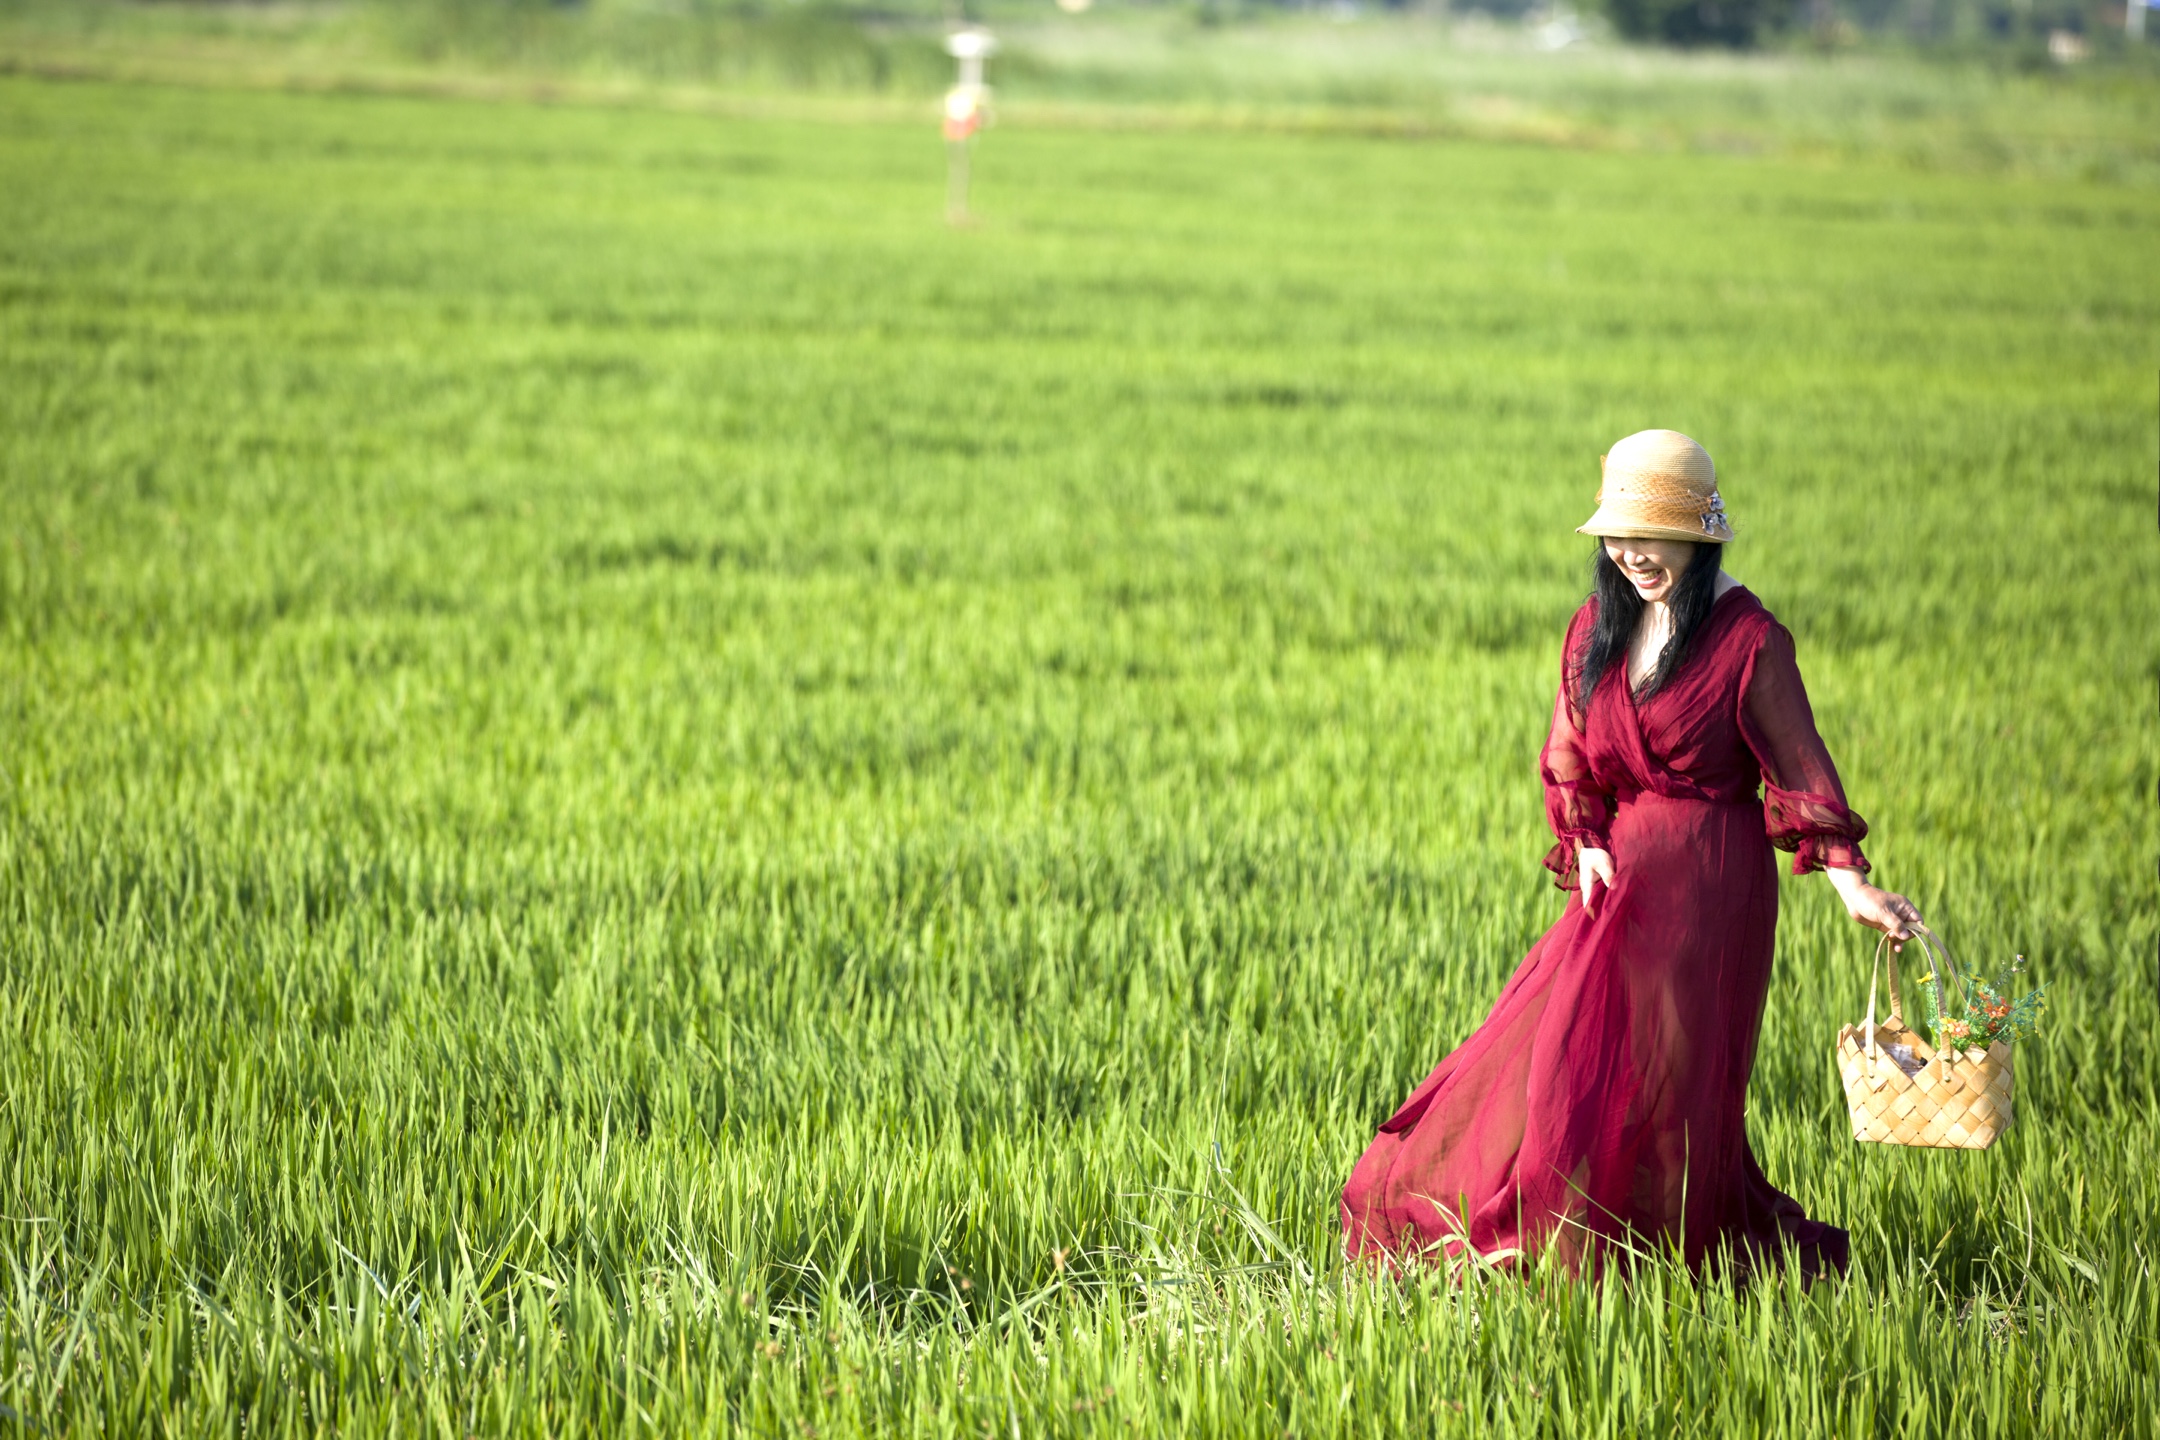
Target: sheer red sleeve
[(1579, 809), (1803, 804)]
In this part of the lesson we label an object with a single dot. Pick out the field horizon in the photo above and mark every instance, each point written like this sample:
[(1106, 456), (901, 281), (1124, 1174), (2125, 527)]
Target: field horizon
[(1995, 108), (646, 791)]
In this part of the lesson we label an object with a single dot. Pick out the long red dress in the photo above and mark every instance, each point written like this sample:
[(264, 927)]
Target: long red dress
[(1603, 1098)]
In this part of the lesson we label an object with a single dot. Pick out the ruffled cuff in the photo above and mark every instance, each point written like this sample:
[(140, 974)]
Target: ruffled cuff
[(1820, 831), (1561, 858), (1823, 852)]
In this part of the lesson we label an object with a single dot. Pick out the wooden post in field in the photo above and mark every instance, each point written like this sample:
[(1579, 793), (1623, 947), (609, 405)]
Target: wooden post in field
[(967, 105), (2134, 19), (956, 182)]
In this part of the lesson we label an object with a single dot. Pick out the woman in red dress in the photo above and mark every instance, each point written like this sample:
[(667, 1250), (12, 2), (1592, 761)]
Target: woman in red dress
[(1600, 1107)]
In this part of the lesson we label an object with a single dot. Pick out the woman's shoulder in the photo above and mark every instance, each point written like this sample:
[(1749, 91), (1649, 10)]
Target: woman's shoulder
[(1742, 608), (1747, 625)]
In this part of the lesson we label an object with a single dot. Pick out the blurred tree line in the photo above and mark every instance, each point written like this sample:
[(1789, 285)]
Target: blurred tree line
[(892, 43), (1961, 23), (1740, 23)]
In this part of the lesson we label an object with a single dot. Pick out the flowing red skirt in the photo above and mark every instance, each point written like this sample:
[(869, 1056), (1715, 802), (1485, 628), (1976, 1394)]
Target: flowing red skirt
[(1603, 1100)]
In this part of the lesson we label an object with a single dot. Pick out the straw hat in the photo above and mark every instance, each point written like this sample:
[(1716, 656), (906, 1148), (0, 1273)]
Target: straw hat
[(1659, 485)]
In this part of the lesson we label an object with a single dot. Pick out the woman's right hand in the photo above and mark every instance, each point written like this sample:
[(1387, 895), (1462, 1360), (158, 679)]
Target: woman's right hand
[(1593, 868), (1875, 907)]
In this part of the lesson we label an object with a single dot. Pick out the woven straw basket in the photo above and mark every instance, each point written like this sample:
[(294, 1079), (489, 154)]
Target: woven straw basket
[(1902, 1092)]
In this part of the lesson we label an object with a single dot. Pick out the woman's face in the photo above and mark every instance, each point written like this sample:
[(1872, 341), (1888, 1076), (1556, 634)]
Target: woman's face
[(1653, 567)]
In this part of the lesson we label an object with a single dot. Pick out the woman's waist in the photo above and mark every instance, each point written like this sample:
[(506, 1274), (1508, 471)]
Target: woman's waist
[(1676, 837), (1626, 799)]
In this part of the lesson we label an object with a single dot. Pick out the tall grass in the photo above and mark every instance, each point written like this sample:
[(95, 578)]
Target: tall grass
[(644, 792)]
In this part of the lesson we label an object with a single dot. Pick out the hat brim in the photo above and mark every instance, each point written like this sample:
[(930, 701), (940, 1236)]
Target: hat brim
[(1620, 527)]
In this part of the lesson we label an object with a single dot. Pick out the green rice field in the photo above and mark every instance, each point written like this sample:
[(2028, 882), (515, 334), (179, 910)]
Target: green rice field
[(642, 791)]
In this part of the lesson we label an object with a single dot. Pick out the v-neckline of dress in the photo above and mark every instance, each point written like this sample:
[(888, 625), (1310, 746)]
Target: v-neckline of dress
[(1627, 679)]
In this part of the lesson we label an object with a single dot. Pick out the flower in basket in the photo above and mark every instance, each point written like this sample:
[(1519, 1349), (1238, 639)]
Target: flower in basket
[(1985, 1013)]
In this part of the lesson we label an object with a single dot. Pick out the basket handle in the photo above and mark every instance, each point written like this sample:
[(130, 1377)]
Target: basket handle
[(1944, 960), (1955, 985), (1897, 1001), (1933, 947)]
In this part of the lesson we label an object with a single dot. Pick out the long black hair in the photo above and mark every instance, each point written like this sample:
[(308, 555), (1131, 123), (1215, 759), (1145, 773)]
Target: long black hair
[(1619, 611)]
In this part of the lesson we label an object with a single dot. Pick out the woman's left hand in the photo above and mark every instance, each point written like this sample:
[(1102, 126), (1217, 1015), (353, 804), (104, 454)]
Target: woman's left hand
[(1875, 907)]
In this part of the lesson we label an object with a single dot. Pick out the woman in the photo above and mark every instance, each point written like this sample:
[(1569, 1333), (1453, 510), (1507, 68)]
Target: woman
[(1599, 1108)]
